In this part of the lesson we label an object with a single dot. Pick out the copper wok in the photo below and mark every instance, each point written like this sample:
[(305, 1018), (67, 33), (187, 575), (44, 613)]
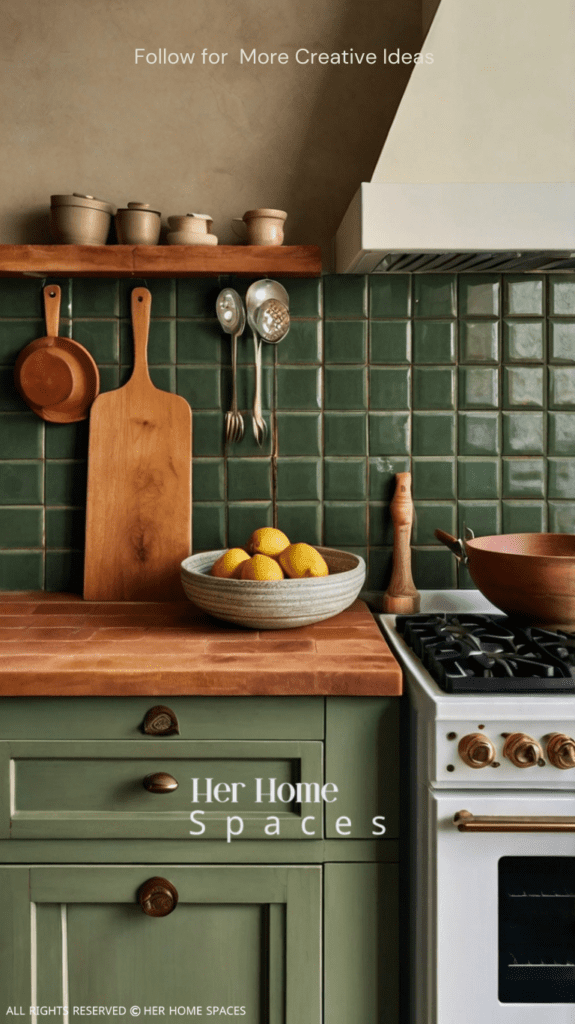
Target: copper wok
[(530, 576)]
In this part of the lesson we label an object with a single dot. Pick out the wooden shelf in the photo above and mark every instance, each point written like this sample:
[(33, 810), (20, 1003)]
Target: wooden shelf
[(159, 260)]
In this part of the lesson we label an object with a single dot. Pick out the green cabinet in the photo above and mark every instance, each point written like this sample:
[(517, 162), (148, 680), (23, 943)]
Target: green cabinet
[(293, 928)]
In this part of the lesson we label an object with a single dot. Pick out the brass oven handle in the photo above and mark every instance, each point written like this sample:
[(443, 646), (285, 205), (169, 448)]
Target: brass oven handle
[(158, 897), (468, 822), (160, 782)]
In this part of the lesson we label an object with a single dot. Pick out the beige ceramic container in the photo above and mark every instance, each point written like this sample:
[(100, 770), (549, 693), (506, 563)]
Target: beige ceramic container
[(80, 220), (262, 227), (137, 224), (191, 229), (269, 604)]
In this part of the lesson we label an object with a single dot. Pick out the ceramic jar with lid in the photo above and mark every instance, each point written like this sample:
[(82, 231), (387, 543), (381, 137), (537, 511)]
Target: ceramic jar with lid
[(137, 224), (80, 220), (191, 229)]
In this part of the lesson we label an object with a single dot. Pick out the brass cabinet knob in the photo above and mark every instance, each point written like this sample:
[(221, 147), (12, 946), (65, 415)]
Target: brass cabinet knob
[(476, 750), (161, 721), (160, 782), (158, 897), (561, 750), (522, 750)]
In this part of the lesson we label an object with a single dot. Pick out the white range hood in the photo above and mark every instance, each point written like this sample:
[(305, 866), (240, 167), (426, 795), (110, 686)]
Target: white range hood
[(478, 169)]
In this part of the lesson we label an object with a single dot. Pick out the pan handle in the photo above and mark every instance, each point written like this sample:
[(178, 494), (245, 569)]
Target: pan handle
[(454, 545)]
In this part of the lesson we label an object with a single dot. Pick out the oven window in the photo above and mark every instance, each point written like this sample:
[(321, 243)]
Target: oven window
[(537, 930)]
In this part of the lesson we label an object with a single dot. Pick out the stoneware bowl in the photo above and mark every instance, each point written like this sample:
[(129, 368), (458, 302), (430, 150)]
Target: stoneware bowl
[(137, 224), (267, 604), (80, 220)]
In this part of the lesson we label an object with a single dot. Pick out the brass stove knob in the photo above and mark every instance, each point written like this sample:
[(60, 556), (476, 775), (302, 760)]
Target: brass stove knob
[(522, 750), (561, 750), (476, 750)]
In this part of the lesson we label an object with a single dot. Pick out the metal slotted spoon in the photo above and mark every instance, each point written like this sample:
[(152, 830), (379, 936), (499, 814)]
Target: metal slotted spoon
[(261, 319), (232, 317)]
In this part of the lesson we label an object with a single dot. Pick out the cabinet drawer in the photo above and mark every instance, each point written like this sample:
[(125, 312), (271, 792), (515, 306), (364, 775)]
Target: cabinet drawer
[(95, 789)]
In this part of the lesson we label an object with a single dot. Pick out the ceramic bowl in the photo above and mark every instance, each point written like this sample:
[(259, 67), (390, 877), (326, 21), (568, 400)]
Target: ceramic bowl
[(270, 604), (137, 224), (80, 220)]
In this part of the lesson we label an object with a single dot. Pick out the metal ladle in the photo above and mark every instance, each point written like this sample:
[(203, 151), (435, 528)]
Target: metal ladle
[(258, 295), (232, 317)]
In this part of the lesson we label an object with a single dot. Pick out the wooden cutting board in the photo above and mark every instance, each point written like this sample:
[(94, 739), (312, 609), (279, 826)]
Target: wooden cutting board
[(138, 514)]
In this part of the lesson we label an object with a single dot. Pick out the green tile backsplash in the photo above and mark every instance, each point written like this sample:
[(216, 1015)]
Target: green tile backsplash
[(468, 381)]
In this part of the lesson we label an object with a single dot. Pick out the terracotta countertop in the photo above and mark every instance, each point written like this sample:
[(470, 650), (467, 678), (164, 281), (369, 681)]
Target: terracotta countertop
[(61, 645)]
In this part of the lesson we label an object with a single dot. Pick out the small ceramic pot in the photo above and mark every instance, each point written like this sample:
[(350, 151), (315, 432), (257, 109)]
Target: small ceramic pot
[(261, 227), (80, 220), (191, 229), (138, 225)]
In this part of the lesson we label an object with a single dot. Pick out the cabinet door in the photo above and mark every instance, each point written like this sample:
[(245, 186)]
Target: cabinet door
[(245, 937)]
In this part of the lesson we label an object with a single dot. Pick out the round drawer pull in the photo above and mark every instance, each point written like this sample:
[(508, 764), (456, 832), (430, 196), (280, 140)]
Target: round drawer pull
[(161, 721), (158, 897), (160, 782)]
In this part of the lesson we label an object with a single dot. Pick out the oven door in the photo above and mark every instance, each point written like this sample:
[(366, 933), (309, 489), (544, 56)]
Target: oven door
[(502, 929)]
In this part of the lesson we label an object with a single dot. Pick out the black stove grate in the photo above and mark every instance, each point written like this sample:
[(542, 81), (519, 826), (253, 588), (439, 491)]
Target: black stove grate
[(473, 653)]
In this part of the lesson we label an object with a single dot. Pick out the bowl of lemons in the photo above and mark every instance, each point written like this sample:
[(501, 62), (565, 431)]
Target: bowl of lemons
[(271, 583)]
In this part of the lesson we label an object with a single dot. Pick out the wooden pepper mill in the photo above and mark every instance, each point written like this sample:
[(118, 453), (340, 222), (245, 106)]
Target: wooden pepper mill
[(401, 597)]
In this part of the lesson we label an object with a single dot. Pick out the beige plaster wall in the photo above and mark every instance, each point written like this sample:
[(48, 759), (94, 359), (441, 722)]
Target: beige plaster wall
[(78, 115)]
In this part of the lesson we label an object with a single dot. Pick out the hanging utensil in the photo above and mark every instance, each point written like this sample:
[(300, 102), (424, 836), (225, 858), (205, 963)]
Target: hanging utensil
[(232, 316), (257, 294), (272, 321)]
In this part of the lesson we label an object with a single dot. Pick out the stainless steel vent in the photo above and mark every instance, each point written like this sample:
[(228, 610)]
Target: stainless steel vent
[(473, 262)]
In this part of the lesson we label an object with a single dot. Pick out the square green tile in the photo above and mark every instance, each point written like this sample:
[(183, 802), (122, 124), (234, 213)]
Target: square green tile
[(21, 483), (481, 517), (388, 388), (389, 433), (245, 382), (390, 341), (434, 569), (304, 296), (208, 433), (433, 433), (65, 571), (246, 352), (524, 517), (478, 388), (433, 388), (15, 335), (161, 343), (200, 386), (249, 480), (379, 567), (303, 343), (479, 295), (21, 436), (345, 341), (10, 400), (345, 433), (100, 337), (21, 570), (345, 523), (344, 295), (208, 526), (67, 440), (430, 516), (523, 386), (23, 297), (523, 295), (433, 479), (298, 387), (561, 433), (561, 478), (21, 526), (562, 295), (478, 478), (562, 387), (382, 480), (163, 290), (381, 530), (479, 341), (110, 377), (562, 341), (95, 297), (208, 480), (245, 518), (523, 433), (524, 341), (197, 296), (389, 295), (164, 378), (346, 387), (299, 433), (301, 521), (65, 528), (66, 483), (299, 479), (479, 433), (434, 341), (524, 478), (200, 341), (434, 295), (345, 480), (561, 517)]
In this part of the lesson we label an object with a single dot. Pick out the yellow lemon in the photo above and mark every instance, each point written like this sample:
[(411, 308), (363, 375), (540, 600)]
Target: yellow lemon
[(229, 563), (302, 560), (267, 541), (260, 567)]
